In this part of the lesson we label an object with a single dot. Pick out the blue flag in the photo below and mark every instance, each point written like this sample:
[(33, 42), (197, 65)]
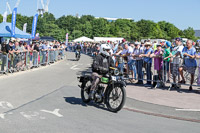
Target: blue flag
[(13, 23), (34, 25)]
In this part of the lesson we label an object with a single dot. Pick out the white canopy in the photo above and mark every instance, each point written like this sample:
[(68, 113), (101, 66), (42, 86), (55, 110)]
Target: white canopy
[(83, 39), (112, 39)]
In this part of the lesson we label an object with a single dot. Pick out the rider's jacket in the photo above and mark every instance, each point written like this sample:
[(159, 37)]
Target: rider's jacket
[(78, 48), (101, 64)]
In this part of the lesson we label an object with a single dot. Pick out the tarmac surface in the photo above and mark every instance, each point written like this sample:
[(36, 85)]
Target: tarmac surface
[(47, 99)]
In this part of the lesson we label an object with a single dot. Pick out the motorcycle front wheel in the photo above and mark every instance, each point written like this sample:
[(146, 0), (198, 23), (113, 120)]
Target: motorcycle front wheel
[(115, 98)]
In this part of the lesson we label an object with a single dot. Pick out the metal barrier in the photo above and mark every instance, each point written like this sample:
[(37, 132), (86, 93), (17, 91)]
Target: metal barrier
[(148, 71), (21, 61), (4, 62)]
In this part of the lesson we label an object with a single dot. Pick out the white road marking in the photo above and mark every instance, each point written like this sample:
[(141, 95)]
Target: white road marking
[(55, 112), (31, 115), (6, 105), (73, 67), (193, 110), (2, 116)]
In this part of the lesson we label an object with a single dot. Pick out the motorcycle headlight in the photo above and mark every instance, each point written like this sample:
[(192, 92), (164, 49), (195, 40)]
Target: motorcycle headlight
[(116, 72)]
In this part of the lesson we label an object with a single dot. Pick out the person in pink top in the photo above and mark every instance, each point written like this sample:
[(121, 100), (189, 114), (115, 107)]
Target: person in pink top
[(158, 61)]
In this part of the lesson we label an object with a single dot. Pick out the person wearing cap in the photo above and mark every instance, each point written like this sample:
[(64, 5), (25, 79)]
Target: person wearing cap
[(148, 62), (44, 52), (139, 62), (158, 61), (190, 63), (176, 60), (167, 55)]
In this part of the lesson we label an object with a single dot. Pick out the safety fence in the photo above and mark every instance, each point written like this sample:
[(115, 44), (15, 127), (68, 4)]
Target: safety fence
[(157, 73), (21, 61)]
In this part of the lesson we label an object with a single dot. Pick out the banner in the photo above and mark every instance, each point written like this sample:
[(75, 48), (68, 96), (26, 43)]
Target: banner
[(5, 16), (24, 27), (34, 25), (37, 35), (66, 43), (13, 22)]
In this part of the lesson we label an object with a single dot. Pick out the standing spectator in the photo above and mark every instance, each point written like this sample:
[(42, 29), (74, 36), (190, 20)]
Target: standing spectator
[(127, 51), (131, 62), (44, 52), (139, 62), (190, 63), (158, 61), (119, 59), (155, 45), (31, 54), (167, 54), (10, 56), (148, 62), (4, 50), (176, 60)]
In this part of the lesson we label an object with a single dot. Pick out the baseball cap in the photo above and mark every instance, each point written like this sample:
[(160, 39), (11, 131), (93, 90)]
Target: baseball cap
[(168, 44), (159, 44), (178, 39)]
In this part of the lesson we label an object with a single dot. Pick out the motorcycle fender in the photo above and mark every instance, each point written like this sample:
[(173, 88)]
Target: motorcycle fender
[(121, 84)]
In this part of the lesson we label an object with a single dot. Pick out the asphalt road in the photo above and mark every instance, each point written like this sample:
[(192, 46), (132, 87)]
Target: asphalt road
[(48, 100)]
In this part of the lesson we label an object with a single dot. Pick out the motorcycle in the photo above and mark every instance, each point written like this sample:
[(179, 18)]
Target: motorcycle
[(78, 55), (110, 90)]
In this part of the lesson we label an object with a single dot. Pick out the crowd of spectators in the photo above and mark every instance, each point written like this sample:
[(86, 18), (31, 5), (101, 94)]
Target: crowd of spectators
[(18, 55), (135, 59)]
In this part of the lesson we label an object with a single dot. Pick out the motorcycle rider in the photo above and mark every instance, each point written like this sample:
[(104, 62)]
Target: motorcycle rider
[(100, 67), (78, 49)]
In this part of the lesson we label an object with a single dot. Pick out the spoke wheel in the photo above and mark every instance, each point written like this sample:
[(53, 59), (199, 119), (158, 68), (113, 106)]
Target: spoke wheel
[(115, 99), (85, 91)]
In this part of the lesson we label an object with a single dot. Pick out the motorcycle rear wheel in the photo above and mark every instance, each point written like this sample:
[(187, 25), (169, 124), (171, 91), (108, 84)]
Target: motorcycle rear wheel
[(85, 91)]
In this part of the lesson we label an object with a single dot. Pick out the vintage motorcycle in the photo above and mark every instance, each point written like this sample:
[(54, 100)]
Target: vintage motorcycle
[(78, 55), (110, 90)]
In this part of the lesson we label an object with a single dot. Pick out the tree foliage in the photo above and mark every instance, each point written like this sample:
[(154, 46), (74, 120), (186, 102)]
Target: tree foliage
[(90, 26)]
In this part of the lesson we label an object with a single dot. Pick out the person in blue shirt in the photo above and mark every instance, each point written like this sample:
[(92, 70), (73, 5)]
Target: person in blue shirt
[(44, 53), (190, 64), (148, 62)]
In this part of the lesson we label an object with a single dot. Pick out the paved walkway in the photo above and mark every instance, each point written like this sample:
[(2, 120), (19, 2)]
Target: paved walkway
[(182, 99)]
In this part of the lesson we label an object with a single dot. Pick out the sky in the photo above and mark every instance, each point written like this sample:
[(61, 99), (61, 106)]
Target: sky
[(182, 13)]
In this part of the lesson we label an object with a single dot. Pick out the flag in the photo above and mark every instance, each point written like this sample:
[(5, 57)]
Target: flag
[(13, 23), (5, 16), (24, 27), (66, 43), (37, 35), (34, 25)]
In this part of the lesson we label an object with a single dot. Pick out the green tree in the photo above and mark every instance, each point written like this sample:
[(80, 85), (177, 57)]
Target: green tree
[(100, 27), (1, 18), (149, 29), (189, 33)]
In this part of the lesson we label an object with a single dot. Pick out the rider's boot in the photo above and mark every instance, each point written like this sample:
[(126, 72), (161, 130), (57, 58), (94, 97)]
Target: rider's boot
[(92, 93)]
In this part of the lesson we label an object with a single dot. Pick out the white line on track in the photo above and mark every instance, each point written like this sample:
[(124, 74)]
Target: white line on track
[(192, 110), (74, 67)]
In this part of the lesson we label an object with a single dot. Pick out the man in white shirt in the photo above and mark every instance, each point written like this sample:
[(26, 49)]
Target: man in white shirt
[(176, 60), (127, 52)]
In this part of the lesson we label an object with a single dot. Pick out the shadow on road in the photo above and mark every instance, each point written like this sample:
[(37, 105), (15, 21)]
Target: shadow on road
[(78, 101), (72, 59)]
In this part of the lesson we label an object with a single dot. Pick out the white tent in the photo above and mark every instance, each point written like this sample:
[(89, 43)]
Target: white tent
[(113, 39), (83, 39)]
